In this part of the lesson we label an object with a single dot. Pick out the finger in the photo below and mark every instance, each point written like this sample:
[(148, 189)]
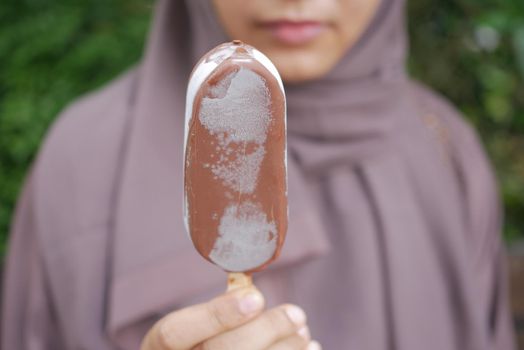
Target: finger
[(298, 341), (261, 332), (314, 345), (183, 329)]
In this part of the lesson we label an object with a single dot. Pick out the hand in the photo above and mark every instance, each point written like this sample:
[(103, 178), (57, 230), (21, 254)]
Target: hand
[(235, 320)]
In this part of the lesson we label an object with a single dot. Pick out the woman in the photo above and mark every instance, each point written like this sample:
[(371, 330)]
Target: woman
[(393, 238)]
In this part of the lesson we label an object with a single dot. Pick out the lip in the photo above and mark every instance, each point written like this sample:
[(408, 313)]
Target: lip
[(293, 32)]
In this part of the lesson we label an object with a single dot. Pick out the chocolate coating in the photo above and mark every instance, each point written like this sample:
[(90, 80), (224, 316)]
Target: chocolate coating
[(235, 163)]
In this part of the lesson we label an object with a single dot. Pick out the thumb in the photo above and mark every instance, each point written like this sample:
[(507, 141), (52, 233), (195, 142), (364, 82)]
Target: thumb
[(183, 329)]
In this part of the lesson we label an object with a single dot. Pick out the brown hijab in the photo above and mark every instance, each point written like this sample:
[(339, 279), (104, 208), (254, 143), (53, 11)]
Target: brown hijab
[(393, 230)]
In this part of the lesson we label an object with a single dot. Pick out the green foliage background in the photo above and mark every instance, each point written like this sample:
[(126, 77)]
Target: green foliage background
[(52, 51)]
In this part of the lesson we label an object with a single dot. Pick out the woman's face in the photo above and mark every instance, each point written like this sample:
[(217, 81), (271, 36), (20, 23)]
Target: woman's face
[(303, 38)]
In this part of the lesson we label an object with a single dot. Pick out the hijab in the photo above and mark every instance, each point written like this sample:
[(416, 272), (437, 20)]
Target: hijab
[(376, 250)]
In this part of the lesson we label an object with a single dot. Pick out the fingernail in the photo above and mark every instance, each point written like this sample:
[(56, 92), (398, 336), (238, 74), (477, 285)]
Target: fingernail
[(314, 345), (304, 332), (296, 315), (251, 302)]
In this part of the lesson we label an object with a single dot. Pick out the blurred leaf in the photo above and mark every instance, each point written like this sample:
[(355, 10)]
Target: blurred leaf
[(518, 45), (499, 108)]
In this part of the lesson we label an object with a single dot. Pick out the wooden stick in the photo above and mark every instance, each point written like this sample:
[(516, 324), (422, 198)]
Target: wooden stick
[(237, 280)]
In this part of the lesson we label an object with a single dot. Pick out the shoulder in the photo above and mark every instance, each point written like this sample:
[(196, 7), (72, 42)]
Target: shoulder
[(471, 165), (81, 122), (453, 130), (441, 115), (78, 159)]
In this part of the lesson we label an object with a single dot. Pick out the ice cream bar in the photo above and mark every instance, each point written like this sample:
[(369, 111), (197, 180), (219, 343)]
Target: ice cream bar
[(235, 183)]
